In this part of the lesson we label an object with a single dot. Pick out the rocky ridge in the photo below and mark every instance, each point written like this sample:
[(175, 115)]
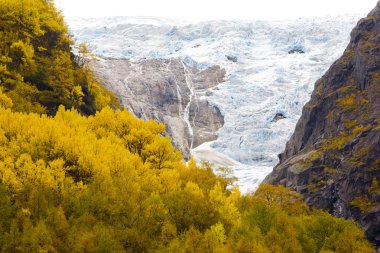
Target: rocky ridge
[(333, 156), (168, 91)]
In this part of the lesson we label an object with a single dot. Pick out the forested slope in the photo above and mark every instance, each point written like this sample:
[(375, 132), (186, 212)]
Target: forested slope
[(112, 183), (37, 69)]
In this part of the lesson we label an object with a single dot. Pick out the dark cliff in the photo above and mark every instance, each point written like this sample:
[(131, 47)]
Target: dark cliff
[(333, 157)]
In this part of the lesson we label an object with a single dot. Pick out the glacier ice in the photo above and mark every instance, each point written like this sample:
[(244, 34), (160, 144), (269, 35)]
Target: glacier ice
[(264, 81)]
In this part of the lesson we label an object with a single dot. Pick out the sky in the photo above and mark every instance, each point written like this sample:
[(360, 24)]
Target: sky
[(201, 10)]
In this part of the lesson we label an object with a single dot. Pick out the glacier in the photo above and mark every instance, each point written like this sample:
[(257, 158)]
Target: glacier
[(264, 81)]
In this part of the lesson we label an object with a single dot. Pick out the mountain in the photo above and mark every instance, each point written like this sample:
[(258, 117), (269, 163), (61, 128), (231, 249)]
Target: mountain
[(257, 75), (333, 156), (110, 182)]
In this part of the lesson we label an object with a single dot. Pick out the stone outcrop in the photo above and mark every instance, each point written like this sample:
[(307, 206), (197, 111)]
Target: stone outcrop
[(333, 157), (168, 91), (232, 58), (278, 116), (293, 51)]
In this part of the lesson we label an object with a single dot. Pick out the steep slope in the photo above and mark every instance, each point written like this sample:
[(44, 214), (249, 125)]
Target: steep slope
[(333, 157), (170, 91), (38, 71)]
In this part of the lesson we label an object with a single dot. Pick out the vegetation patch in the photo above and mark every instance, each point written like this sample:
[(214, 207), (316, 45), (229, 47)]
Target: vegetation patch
[(343, 139), (363, 203)]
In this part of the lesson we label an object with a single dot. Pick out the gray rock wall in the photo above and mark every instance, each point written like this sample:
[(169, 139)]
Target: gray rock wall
[(168, 91)]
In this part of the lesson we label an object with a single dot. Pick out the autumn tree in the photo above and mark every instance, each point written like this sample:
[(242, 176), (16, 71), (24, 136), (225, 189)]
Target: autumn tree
[(38, 71)]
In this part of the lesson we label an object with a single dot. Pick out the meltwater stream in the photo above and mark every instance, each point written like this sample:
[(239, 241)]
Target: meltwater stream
[(271, 70)]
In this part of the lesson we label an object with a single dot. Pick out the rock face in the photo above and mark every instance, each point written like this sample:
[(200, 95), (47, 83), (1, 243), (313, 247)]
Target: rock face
[(293, 51), (232, 58), (278, 117), (333, 157), (167, 91)]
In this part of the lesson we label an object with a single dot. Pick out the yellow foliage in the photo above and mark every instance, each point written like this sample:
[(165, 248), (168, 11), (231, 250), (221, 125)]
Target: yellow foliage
[(347, 101), (339, 142), (288, 200), (113, 182), (5, 101), (37, 68)]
